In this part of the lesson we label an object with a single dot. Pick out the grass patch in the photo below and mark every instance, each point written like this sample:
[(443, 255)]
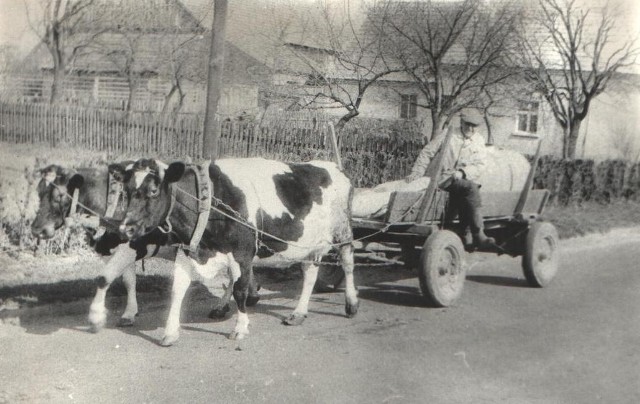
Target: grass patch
[(591, 217)]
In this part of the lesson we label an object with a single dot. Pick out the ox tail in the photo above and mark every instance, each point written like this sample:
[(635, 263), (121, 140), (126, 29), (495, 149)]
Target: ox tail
[(334, 143)]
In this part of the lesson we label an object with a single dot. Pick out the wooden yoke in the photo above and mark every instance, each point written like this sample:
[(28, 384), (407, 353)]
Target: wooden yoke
[(205, 192), (434, 179), (527, 186)]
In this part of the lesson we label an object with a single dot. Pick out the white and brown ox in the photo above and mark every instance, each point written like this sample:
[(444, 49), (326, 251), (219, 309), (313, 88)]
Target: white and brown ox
[(95, 187), (261, 209)]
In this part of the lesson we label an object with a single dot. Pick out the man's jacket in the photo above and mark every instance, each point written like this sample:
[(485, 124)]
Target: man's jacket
[(467, 155)]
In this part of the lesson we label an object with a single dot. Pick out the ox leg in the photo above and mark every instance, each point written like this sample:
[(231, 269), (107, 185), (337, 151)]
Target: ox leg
[(129, 316), (221, 307), (240, 294), (310, 274), (121, 259), (351, 295), (181, 282)]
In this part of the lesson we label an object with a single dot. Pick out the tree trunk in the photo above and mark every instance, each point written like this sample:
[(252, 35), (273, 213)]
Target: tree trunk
[(437, 124), (571, 139), (346, 118), (57, 85), (167, 98)]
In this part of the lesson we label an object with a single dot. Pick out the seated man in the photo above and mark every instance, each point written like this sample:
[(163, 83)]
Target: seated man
[(463, 162)]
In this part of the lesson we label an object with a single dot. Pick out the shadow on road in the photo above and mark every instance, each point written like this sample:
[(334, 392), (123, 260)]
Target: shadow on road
[(498, 280), (396, 295), (45, 309)]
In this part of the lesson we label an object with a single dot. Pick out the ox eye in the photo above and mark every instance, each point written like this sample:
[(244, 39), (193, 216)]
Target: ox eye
[(153, 192)]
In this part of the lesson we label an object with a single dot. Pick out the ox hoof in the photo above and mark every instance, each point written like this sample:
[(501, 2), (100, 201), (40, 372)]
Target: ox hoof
[(168, 340), (125, 322), (351, 309), (294, 319), (237, 335), (219, 312), (252, 300), (96, 326), (97, 320)]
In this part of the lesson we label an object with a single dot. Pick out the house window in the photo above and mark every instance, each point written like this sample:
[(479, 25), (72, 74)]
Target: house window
[(408, 106), (527, 117)]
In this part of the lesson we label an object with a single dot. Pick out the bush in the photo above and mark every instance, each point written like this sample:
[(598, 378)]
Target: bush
[(578, 181)]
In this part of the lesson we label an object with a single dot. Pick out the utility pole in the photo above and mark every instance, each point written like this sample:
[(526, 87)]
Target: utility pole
[(211, 131)]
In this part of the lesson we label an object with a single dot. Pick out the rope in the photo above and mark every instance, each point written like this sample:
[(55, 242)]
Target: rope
[(241, 220)]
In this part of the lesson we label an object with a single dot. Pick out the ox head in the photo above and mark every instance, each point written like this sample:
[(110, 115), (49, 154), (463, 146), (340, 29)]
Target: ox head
[(149, 192), (54, 191)]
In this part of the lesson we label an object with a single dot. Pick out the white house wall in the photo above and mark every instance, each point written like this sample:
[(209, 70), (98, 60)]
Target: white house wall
[(610, 114)]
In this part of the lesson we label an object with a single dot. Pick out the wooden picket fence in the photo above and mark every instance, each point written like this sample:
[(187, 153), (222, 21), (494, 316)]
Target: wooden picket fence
[(117, 132)]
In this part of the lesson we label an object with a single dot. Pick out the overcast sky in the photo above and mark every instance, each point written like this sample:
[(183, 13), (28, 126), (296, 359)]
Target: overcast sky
[(15, 30)]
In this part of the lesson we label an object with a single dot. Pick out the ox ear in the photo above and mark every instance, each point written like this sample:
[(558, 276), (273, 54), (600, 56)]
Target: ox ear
[(49, 175), (121, 172), (74, 183), (174, 172)]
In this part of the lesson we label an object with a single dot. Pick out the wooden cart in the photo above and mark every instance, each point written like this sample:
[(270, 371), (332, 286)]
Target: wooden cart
[(415, 221)]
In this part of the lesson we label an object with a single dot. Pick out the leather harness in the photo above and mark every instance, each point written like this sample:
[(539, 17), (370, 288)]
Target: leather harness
[(204, 189)]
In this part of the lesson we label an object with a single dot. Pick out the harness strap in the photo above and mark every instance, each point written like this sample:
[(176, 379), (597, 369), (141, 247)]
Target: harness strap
[(171, 205), (205, 191), (74, 201), (70, 219), (114, 194)]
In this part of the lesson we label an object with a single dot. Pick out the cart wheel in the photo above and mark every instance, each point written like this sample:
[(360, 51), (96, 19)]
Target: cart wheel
[(410, 256), (442, 268), (540, 258)]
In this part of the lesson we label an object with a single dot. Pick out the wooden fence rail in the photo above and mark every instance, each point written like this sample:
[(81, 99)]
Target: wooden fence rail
[(116, 132)]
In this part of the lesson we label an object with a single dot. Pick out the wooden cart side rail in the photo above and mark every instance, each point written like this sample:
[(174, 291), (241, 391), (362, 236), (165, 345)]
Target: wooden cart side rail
[(402, 205)]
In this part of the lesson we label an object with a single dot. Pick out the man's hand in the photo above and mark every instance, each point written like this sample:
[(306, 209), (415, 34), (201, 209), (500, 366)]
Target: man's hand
[(412, 177)]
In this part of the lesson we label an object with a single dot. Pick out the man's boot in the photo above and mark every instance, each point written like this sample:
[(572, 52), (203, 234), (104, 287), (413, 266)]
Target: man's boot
[(480, 240)]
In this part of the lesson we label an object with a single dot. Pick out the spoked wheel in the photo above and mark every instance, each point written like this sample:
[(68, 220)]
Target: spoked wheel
[(442, 269), (540, 258)]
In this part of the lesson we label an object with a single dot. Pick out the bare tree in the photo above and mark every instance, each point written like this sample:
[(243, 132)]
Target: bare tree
[(142, 40), (457, 52), (123, 50), (57, 29), (571, 54), (335, 62), (181, 61)]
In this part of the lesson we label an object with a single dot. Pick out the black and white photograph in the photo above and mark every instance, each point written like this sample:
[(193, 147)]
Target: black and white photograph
[(320, 201)]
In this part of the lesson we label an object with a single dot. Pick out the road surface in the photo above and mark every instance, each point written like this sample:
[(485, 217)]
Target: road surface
[(577, 341)]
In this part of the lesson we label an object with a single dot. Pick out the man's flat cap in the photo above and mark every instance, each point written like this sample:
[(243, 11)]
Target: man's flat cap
[(472, 117)]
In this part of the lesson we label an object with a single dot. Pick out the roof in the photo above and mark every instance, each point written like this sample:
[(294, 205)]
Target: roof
[(262, 27), (150, 31), (148, 16)]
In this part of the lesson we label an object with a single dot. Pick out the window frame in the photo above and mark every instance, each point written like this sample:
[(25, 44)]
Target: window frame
[(408, 106), (530, 110)]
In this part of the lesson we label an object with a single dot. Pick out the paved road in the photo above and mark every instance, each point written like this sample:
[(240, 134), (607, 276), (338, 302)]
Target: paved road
[(577, 341)]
